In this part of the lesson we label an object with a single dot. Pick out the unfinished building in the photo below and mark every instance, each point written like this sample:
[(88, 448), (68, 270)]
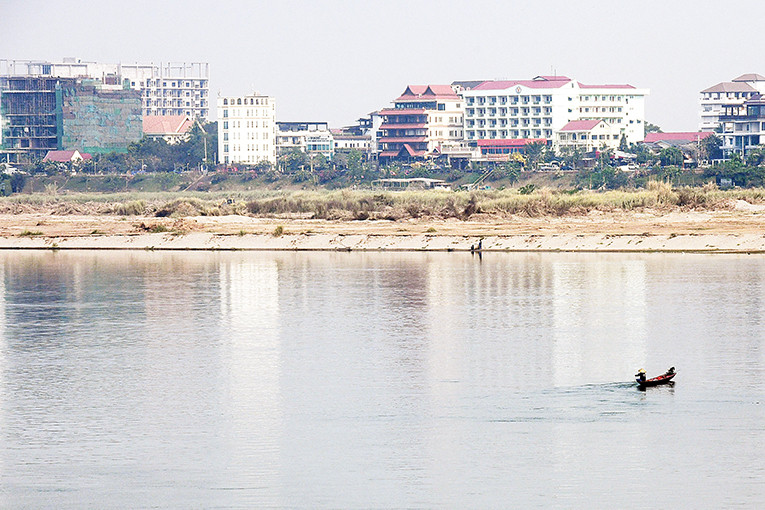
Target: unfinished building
[(28, 113), (99, 118), (39, 114)]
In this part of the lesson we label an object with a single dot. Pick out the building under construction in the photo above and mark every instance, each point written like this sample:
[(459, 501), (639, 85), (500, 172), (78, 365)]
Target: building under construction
[(29, 117), (43, 113)]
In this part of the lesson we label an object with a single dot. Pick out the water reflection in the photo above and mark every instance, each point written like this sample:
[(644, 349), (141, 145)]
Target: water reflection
[(393, 380), (599, 319)]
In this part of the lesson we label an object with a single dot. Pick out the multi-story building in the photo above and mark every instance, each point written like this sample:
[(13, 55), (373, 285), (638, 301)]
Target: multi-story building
[(716, 100), (347, 142), (423, 119), (166, 88), (368, 128), (246, 129), (309, 137), (743, 126), (42, 113), (588, 135), (538, 108)]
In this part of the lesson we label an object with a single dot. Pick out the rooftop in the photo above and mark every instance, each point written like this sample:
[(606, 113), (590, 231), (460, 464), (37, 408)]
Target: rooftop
[(420, 92), (750, 77), (688, 136), (166, 124), (581, 125), (729, 86)]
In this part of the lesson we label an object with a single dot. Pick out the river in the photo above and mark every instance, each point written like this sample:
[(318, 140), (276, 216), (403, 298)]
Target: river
[(380, 380)]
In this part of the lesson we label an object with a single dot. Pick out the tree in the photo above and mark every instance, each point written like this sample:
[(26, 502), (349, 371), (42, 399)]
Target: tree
[(510, 170), (651, 128), (711, 147), (533, 152), (755, 157), (571, 155), (292, 160), (623, 143), (671, 156)]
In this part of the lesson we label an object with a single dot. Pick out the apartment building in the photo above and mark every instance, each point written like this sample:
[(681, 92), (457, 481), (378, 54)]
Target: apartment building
[(423, 119), (542, 106), (166, 88), (309, 137), (743, 126), (718, 99), (246, 129)]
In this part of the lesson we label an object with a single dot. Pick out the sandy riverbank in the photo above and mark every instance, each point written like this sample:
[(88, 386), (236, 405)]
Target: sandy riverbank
[(739, 229)]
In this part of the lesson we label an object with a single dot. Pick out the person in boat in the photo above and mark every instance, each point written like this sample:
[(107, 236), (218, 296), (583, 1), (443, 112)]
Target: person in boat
[(641, 375), (670, 371)]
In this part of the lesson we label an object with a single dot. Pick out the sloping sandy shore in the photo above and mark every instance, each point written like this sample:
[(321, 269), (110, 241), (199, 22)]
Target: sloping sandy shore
[(739, 230)]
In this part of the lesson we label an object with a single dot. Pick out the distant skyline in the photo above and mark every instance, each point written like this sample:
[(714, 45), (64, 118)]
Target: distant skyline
[(337, 60)]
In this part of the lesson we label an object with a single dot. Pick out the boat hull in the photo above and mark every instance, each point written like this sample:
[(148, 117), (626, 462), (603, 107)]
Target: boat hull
[(656, 381)]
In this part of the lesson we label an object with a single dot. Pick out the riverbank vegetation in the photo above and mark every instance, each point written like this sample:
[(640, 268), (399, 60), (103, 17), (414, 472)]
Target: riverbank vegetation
[(348, 204)]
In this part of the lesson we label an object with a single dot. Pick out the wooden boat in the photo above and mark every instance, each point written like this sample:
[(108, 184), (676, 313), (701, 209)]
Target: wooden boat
[(656, 381)]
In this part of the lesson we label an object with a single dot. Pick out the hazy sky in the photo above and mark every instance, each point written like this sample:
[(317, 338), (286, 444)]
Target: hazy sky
[(337, 60)]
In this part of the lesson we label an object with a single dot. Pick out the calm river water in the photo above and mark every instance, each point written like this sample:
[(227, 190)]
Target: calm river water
[(348, 380)]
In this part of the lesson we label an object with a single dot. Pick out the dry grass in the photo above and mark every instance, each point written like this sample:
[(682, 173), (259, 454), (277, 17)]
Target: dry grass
[(364, 204)]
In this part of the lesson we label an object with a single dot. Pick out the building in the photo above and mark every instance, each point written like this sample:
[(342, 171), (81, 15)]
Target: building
[(100, 118), (41, 113), (346, 142), (362, 136), (72, 156), (166, 88), (688, 143), (171, 128), (743, 126), (247, 129), (308, 137), (423, 119), (588, 135), (720, 98), (542, 106), (29, 114)]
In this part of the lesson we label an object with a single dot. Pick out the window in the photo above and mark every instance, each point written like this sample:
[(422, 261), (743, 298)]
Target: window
[(225, 114)]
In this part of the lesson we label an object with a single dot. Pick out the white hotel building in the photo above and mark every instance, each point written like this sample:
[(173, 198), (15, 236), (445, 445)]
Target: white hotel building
[(246, 129), (540, 107)]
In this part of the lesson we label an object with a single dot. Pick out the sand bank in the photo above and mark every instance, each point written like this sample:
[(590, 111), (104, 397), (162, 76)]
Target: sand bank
[(741, 230)]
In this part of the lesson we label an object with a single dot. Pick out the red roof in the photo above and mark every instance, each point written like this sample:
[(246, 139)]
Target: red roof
[(161, 125), (407, 148), (690, 136), (581, 125), (532, 84), (65, 156), (510, 142), (419, 92)]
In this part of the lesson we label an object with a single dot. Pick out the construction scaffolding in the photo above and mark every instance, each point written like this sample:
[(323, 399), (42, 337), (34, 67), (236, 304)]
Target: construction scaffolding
[(29, 109), (43, 113)]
